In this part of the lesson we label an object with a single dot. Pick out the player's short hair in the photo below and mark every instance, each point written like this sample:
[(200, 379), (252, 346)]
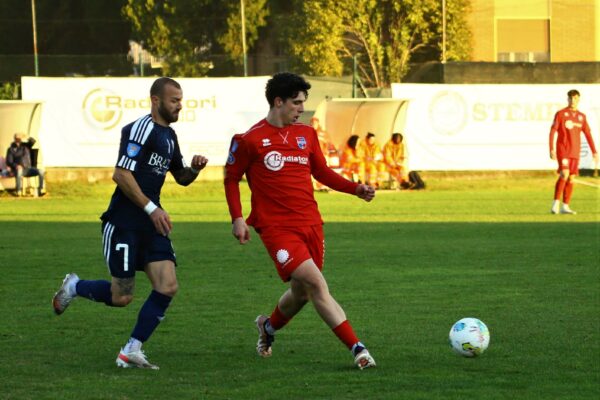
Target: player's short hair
[(158, 87), (352, 141), (370, 135), (573, 92), (397, 137), (285, 85)]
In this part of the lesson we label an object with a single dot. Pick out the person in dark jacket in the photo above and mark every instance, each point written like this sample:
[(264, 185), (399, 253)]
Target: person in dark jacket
[(18, 161)]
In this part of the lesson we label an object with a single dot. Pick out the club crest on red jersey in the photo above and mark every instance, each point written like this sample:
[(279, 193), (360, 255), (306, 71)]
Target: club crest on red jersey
[(301, 142)]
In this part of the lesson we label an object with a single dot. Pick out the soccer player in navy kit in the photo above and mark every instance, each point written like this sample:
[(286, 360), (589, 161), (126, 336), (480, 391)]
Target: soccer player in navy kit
[(135, 227)]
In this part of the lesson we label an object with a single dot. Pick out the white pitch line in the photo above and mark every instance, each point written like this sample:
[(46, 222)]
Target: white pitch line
[(586, 183)]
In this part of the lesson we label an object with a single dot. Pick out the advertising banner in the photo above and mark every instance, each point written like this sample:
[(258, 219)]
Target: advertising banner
[(489, 127), (82, 117)]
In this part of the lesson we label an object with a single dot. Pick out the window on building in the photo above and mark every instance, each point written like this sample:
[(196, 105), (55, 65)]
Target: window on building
[(523, 40)]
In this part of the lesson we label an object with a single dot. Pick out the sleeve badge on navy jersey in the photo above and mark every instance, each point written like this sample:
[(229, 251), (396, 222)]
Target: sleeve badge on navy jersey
[(133, 149), (301, 142), (231, 157)]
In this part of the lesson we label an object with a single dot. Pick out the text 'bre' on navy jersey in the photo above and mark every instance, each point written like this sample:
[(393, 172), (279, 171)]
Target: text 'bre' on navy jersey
[(148, 150)]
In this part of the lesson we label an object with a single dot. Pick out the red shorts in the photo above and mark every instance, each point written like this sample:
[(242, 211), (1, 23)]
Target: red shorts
[(572, 164), (291, 246)]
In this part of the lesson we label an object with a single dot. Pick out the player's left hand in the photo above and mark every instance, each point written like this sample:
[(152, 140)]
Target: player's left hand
[(365, 192), (199, 162), (161, 221)]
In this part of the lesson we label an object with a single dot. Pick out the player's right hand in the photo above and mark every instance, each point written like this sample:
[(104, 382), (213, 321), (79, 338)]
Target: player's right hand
[(240, 230), (365, 192), (161, 221), (552, 155)]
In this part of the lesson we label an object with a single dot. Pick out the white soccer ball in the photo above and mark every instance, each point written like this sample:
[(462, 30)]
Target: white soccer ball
[(469, 337)]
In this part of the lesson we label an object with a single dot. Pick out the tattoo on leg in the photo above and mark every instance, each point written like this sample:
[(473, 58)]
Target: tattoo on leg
[(126, 286)]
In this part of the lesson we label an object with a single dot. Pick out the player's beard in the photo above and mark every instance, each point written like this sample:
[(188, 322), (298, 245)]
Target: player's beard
[(166, 115)]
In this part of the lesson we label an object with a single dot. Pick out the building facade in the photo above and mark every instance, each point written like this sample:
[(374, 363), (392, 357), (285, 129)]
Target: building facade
[(535, 30)]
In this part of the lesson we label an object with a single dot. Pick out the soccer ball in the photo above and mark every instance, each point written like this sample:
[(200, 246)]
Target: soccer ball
[(469, 337)]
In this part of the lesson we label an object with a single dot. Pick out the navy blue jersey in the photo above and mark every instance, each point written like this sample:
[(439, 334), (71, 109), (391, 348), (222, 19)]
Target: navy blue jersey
[(148, 150)]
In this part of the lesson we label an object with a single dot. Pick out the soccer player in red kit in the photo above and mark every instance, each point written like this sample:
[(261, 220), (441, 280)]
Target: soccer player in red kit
[(565, 147), (278, 156)]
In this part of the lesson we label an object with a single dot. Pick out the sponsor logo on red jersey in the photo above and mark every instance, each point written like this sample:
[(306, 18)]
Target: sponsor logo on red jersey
[(275, 161)]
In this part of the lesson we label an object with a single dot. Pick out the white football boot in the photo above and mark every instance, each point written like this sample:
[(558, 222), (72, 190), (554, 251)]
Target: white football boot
[(133, 359), (65, 294), (263, 346), (364, 360), (565, 209)]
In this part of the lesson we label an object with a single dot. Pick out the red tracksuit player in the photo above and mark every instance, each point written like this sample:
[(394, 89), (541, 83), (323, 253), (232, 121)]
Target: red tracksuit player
[(565, 147), (278, 156)]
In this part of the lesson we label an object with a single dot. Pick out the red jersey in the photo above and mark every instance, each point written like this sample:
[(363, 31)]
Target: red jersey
[(568, 125), (278, 163)]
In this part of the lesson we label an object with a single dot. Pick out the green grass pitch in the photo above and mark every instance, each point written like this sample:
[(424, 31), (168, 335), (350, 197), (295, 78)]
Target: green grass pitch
[(405, 267)]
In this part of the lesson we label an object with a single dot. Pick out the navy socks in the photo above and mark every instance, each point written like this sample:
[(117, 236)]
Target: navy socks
[(151, 313), (95, 290)]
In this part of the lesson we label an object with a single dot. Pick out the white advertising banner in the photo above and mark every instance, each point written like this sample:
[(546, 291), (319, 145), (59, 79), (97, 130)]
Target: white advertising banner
[(82, 117), (489, 127)]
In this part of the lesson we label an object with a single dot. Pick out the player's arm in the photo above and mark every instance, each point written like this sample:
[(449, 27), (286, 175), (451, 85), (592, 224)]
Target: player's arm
[(187, 175), (10, 161), (235, 168), (554, 135), (129, 186), (388, 156), (330, 178), (588, 136), (184, 174)]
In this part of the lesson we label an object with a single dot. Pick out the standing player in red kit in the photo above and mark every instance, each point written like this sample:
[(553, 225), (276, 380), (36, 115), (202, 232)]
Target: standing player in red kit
[(565, 147), (278, 156)]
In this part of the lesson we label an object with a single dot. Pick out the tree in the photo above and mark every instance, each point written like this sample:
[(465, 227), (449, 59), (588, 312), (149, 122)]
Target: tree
[(255, 13), (64, 27), (383, 35), (191, 35)]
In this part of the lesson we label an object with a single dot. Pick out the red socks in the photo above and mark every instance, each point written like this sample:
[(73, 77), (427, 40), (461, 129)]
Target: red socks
[(277, 319), (559, 188), (568, 192), (346, 334), (343, 331)]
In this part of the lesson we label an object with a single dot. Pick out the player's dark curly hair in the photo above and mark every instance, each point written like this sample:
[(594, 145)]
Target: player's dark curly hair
[(397, 137), (352, 141), (158, 87), (573, 92), (285, 85)]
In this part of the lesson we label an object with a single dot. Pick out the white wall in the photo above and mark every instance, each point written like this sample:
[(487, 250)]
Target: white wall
[(489, 127)]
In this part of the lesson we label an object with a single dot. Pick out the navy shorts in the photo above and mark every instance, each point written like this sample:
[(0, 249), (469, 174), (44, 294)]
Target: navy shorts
[(126, 251)]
